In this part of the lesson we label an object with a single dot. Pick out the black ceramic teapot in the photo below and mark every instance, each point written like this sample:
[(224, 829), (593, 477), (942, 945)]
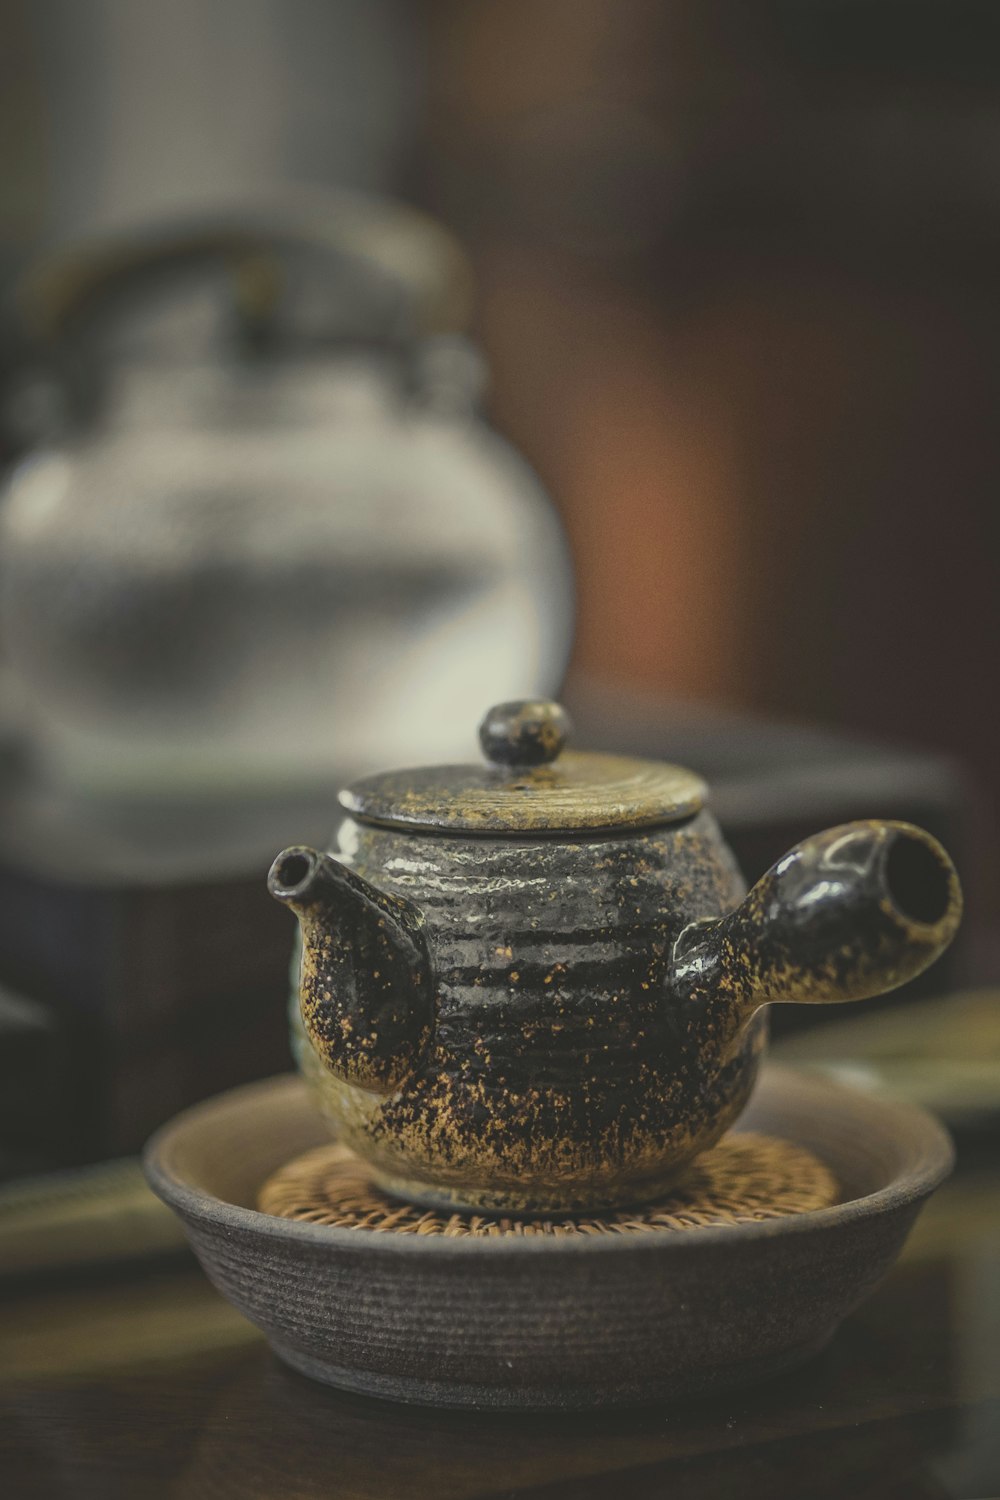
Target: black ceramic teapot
[(537, 984)]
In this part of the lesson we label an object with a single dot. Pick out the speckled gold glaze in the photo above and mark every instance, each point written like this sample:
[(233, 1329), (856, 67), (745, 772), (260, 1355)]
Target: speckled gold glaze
[(553, 1022), (529, 785), (364, 985)]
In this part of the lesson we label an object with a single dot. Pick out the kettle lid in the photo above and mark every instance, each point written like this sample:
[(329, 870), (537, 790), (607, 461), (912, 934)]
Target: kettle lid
[(529, 785)]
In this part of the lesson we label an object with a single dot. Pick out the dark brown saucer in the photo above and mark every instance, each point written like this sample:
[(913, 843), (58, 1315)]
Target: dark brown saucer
[(550, 1321)]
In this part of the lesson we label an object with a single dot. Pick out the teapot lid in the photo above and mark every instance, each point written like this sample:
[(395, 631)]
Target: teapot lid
[(529, 785)]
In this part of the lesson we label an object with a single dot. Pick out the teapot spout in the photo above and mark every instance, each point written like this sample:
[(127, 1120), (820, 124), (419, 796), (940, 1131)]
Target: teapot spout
[(365, 988), (848, 914)]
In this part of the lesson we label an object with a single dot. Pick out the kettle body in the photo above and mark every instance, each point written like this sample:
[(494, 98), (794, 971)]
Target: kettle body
[(273, 500)]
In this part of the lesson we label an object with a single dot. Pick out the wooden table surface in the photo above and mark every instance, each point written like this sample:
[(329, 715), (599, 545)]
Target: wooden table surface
[(144, 1384)]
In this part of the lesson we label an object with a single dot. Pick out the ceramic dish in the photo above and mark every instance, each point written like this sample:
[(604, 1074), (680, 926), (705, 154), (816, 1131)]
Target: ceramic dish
[(549, 1322)]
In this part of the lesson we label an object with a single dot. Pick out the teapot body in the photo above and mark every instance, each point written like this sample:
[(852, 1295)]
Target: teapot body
[(561, 1072)]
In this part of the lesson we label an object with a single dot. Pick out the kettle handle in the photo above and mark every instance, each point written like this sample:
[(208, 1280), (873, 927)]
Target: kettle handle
[(422, 264), (390, 239)]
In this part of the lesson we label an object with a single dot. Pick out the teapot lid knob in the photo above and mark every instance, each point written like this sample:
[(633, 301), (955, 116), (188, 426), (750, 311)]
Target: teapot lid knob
[(528, 732)]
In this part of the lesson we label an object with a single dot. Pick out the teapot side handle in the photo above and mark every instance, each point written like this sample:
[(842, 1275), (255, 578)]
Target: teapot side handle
[(846, 915)]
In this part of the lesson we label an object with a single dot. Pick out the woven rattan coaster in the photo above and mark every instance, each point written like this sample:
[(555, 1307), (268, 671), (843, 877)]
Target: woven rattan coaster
[(742, 1179)]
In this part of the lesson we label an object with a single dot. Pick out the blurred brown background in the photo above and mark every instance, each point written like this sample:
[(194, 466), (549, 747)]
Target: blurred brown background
[(739, 267)]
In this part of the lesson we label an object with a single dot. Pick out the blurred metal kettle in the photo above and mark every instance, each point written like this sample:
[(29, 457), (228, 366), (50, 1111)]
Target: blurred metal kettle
[(258, 534)]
